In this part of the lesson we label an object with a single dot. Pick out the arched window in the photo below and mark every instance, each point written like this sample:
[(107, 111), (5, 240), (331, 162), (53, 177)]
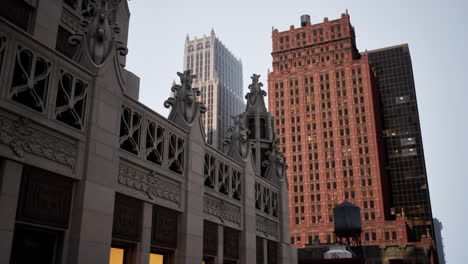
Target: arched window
[(207, 44), (190, 48), (199, 46)]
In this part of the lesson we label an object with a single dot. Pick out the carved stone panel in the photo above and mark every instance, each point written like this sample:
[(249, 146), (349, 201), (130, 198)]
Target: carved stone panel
[(165, 227), (272, 249), (45, 198), (222, 210), (127, 218), (23, 137), (149, 183), (231, 243), (267, 226), (70, 20), (260, 253), (210, 238)]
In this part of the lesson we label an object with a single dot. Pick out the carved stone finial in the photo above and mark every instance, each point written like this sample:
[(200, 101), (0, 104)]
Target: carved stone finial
[(236, 144), (99, 28), (255, 98), (185, 108), (275, 163)]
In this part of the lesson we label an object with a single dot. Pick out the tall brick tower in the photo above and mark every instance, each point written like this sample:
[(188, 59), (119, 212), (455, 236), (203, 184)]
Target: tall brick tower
[(325, 99)]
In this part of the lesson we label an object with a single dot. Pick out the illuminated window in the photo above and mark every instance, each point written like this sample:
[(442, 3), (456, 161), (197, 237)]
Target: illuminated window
[(156, 258), (116, 256)]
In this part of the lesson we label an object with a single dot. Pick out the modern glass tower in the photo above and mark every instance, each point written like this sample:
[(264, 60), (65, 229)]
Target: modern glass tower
[(219, 78), (404, 156)]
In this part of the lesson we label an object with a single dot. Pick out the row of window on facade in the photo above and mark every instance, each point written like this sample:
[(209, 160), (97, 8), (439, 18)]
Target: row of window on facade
[(199, 46), (312, 36), (339, 74)]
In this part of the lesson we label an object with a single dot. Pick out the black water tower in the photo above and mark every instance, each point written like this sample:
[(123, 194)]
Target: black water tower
[(348, 228)]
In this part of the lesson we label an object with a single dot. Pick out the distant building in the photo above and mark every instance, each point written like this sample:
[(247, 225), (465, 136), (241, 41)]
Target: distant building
[(439, 240), (219, 77), (349, 126), (404, 163)]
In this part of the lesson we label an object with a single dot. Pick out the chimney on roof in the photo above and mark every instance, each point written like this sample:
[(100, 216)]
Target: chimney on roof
[(305, 19)]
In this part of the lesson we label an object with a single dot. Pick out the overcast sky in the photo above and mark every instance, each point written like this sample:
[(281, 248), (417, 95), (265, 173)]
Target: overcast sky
[(437, 34)]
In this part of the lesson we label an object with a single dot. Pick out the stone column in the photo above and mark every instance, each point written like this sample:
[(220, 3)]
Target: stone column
[(10, 182), (288, 253), (145, 244), (92, 214), (47, 20), (248, 235), (190, 240), (220, 257)]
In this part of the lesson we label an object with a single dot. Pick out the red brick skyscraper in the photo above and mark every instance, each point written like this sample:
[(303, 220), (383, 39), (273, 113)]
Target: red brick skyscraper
[(324, 98)]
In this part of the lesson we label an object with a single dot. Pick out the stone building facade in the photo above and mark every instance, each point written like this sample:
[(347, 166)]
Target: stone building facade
[(219, 78), (335, 112), (88, 174)]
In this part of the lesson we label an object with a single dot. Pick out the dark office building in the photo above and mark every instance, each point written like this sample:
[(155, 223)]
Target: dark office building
[(404, 162)]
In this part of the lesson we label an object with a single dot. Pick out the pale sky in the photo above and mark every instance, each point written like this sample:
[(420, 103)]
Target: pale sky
[(437, 34)]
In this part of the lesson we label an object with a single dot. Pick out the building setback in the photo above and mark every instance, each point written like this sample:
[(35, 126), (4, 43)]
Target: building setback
[(331, 117), (88, 174), (219, 78)]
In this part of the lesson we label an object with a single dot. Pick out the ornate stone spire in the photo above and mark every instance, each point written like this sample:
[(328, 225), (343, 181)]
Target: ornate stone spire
[(255, 100), (99, 28), (275, 164), (185, 109), (236, 144)]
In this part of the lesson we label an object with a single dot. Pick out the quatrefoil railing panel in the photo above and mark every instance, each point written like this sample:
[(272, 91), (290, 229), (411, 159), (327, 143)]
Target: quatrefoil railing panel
[(266, 199), (3, 42), (258, 196), (130, 128), (70, 105), (176, 153), (236, 185), (274, 204), (222, 175), (223, 178), (209, 171), (154, 143), (30, 79)]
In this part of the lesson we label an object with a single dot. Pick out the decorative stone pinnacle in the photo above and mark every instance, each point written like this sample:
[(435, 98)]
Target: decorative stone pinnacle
[(275, 163), (255, 98), (97, 37), (237, 144), (185, 108)]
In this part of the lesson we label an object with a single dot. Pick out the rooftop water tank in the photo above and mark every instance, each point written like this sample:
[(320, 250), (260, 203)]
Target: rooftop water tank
[(347, 219), (304, 20)]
